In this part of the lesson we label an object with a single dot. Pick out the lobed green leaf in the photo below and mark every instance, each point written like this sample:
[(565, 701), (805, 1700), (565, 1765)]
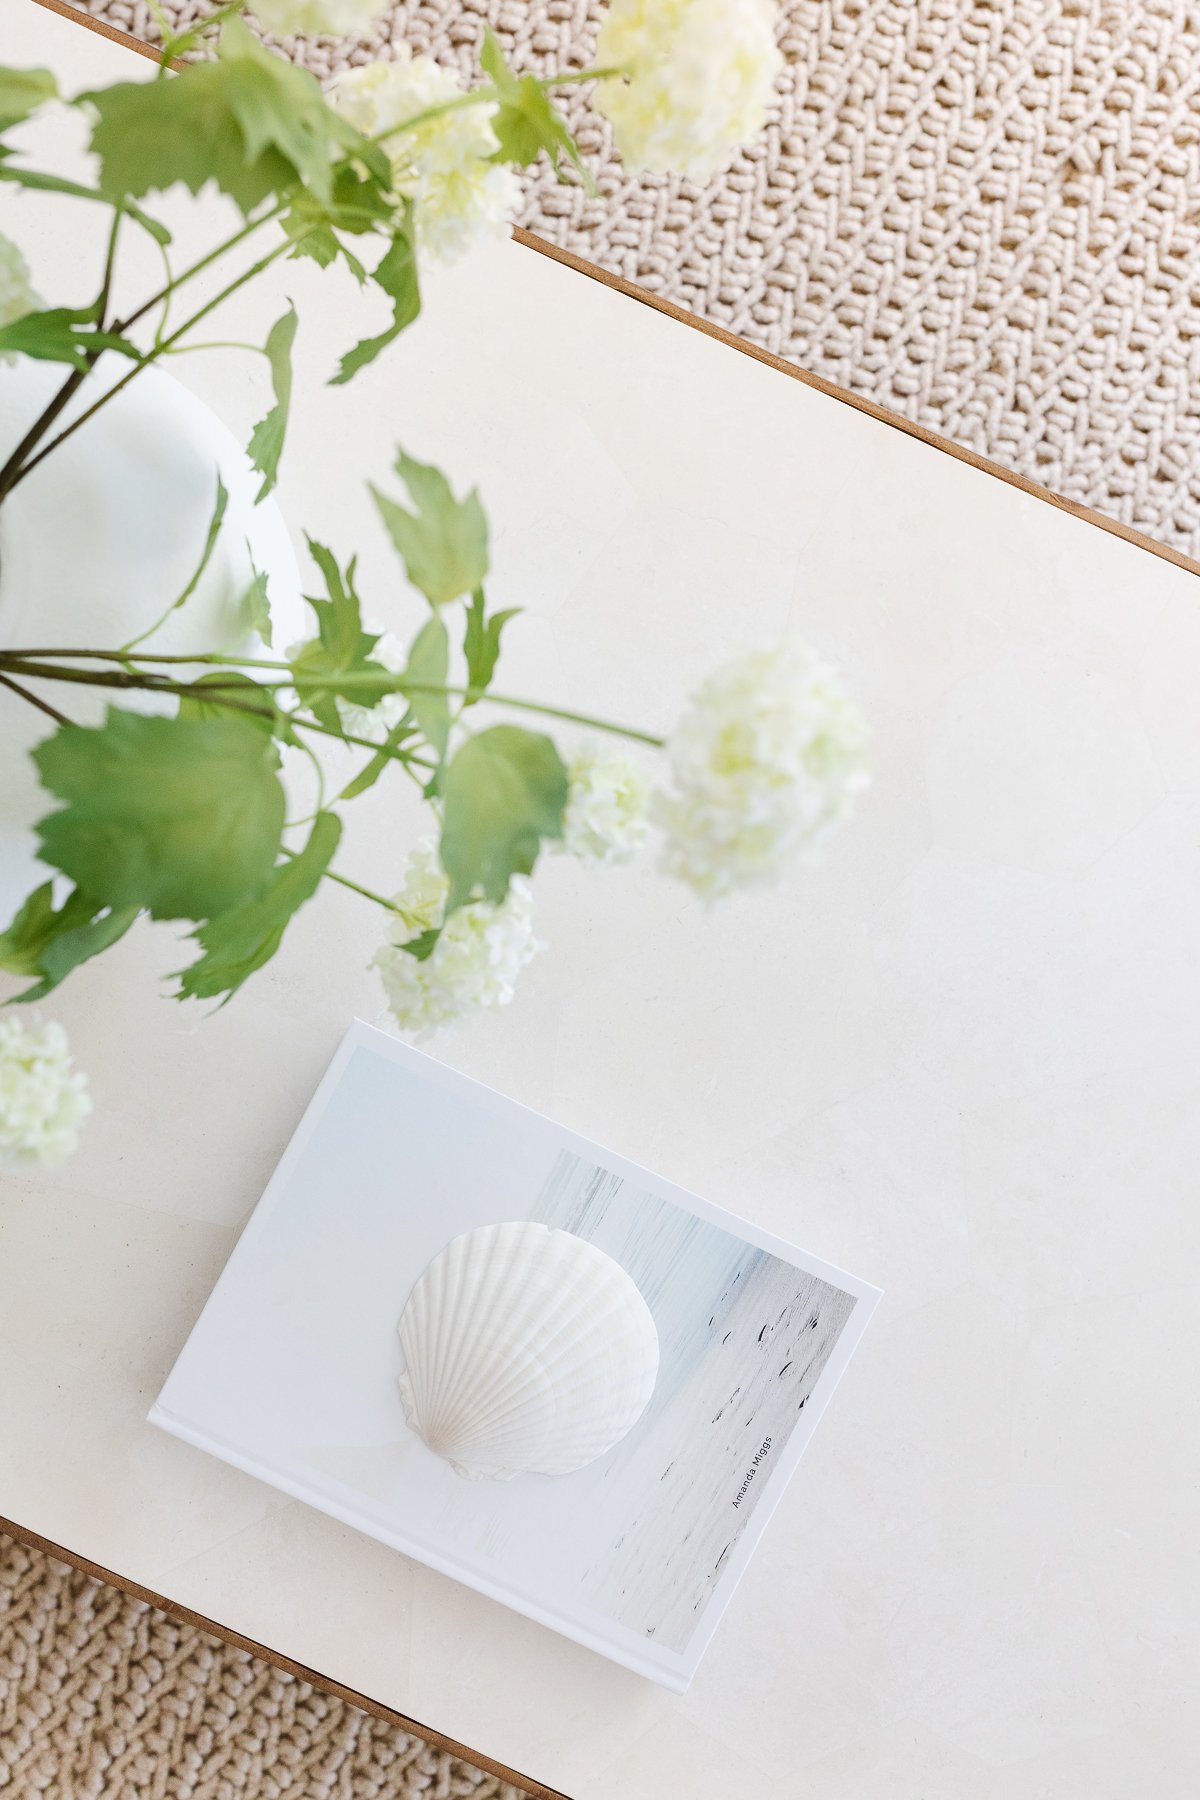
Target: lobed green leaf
[(444, 543), (22, 91), (396, 274), (266, 440), (48, 942), (481, 641), (526, 121), (504, 791), (341, 647), (63, 334), (182, 816), (239, 941), (249, 121), (429, 661)]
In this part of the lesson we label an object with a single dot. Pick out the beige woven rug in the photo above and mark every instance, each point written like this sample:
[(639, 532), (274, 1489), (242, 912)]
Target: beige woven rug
[(104, 1698), (985, 214)]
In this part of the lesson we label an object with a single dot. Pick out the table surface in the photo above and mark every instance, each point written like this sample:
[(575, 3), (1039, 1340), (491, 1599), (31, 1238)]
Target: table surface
[(960, 1057)]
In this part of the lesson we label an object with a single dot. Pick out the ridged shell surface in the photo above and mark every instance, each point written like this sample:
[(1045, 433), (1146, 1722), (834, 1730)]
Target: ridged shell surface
[(527, 1351)]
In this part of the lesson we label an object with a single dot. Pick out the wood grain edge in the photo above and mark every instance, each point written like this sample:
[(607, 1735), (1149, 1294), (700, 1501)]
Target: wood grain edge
[(185, 1616), (670, 308), (859, 402), (100, 26)]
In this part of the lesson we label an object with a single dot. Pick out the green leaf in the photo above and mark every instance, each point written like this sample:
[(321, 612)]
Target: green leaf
[(429, 661), (481, 641), (341, 647), (444, 543), (239, 941), (424, 944), (266, 441), (250, 122), (48, 944), (151, 134), (57, 184), (339, 618), (526, 122), (63, 335), (362, 202), (258, 603), (236, 686), (280, 108), (181, 816), (504, 791), (22, 91), (396, 274), (215, 521)]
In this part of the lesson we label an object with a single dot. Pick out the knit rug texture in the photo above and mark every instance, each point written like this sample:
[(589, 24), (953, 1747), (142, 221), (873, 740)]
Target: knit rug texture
[(984, 214), (104, 1698)]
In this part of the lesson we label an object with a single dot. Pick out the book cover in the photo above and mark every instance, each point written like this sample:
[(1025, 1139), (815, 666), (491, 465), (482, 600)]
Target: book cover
[(292, 1372)]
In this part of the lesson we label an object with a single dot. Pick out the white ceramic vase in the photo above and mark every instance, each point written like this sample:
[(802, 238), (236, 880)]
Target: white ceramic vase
[(99, 540)]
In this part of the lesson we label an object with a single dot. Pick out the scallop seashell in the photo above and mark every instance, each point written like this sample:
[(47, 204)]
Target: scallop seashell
[(527, 1351)]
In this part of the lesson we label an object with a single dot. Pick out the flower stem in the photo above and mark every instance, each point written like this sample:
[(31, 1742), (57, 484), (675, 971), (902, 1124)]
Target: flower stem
[(16, 468), (34, 699), (196, 268), (153, 355), (485, 96), (402, 685), (13, 469), (356, 887)]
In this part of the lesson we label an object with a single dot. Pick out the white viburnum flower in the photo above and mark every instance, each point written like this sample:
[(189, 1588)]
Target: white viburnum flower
[(316, 18), (770, 751), (607, 806), (699, 82), (476, 960), (461, 198), (16, 290), (42, 1101)]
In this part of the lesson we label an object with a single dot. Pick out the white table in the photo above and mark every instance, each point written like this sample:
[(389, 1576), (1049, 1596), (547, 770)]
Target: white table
[(961, 1058)]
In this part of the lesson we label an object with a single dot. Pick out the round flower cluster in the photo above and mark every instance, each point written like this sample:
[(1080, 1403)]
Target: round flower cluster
[(697, 80), (768, 753), (606, 816), (16, 290), (442, 164), (476, 960), (316, 18), (42, 1103)]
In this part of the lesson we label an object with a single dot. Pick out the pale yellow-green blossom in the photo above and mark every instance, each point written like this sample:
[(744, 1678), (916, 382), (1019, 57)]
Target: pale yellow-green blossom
[(476, 960), (443, 165), (700, 75), (43, 1101), (606, 817), (769, 752), (316, 18), (16, 290)]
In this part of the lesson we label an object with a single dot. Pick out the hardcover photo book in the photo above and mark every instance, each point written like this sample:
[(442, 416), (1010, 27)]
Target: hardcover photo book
[(515, 1357)]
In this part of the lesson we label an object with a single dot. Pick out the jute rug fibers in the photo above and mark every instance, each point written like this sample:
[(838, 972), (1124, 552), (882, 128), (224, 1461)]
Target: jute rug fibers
[(104, 1698), (985, 214)]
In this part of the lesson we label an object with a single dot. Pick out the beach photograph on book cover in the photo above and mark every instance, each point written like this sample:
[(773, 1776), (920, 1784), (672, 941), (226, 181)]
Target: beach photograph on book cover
[(294, 1370)]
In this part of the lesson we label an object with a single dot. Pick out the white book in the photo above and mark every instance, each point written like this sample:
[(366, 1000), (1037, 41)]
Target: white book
[(292, 1370)]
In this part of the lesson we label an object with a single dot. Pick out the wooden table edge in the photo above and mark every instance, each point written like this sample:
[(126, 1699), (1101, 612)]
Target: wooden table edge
[(186, 1616), (830, 389)]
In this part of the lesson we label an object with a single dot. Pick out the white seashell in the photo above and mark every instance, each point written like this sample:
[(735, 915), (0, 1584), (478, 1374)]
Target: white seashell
[(527, 1351)]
